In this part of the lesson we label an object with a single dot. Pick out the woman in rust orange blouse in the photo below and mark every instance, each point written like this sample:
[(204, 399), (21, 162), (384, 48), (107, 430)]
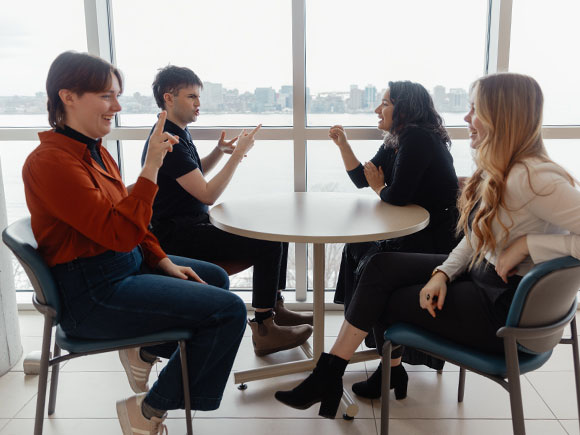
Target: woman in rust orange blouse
[(114, 279)]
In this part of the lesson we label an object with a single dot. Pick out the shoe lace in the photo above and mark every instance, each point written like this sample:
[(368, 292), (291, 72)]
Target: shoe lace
[(158, 428)]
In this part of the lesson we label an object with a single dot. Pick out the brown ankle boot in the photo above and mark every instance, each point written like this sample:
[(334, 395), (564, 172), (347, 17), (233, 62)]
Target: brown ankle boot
[(268, 337), (285, 317)]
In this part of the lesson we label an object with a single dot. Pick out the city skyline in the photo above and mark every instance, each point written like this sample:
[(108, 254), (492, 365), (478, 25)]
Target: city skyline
[(218, 99)]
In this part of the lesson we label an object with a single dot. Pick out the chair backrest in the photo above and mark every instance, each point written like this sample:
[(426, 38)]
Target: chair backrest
[(545, 296), (20, 240)]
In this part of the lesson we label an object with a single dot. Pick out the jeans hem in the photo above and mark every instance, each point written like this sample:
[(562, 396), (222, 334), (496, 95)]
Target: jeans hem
[(197, 403)]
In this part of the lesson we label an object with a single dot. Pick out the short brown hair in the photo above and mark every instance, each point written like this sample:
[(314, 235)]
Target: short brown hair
[(79, 73), (172, 79)]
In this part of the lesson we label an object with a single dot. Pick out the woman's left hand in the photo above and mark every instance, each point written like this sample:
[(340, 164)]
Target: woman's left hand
[(511, 257), (183, 272), (375, 177)]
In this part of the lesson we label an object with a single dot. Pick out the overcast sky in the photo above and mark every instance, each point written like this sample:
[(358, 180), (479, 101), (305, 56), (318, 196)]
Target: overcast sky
[(247, 44)]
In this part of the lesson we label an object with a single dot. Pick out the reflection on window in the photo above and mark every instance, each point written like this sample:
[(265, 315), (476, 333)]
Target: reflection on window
[(244, 57), (30, 41), (544, 44), (348, 66)]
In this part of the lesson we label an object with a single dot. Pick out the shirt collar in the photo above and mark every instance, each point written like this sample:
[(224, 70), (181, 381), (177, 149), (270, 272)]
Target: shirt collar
[(173, 128), (79, 137)]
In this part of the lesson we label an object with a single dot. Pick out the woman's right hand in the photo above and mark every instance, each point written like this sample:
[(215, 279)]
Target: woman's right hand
[(338, 135), (160, 143), (433, 294)]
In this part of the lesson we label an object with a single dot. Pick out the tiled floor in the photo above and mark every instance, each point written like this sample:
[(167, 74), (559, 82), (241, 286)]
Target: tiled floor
[(430, 408)]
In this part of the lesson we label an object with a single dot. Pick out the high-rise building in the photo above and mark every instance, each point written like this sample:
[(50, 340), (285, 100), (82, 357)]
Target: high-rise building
[(370, 98), (355, 100), (212, 98)]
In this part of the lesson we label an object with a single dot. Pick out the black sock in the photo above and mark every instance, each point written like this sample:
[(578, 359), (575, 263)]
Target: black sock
[(148, 411), (146, 356), (263, 315)]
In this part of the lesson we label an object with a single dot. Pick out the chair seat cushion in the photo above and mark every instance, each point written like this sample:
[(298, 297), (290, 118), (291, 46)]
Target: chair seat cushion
[(468, 357), (82, 345)]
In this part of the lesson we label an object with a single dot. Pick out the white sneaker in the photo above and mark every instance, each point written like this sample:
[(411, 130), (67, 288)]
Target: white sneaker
[(132, 420), (136, 369)]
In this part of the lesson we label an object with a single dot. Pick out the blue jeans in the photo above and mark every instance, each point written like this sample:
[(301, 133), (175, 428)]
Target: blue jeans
[(112, 296)]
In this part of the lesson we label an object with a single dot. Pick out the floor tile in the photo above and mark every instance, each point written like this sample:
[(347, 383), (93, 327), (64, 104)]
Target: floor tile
[(56, 426), (16, 390), (318, 426), (571, 426), (86, 395), (435, 396), (558, 391), (469, 427)]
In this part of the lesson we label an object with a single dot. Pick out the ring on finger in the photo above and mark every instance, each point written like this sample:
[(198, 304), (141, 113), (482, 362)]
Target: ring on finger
[(427, 296)]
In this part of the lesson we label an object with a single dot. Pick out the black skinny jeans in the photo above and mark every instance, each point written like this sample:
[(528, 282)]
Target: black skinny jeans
[(388, 293), (187, 237)]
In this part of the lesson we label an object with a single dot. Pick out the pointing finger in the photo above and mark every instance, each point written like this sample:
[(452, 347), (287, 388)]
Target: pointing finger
[(255, 130), (160, 123)]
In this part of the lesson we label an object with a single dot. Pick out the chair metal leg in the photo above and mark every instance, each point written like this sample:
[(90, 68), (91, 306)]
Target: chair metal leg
[(185, 378), (514, 388), (385, 386), (54, 381), (576, 362), (43, 375), (461, 388)]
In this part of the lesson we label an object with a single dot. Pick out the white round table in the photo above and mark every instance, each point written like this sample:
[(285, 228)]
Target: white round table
[(318, 218)]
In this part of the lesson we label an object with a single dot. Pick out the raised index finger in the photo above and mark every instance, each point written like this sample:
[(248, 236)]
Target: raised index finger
[(160, 123), (255, 130)]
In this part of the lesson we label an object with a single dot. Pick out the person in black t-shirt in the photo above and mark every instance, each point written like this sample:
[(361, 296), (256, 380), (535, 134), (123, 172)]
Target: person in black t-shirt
[(180, 213), (412, 166)]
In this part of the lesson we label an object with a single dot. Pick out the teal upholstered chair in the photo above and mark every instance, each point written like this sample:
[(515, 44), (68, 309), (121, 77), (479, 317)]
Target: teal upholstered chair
[(543, 305), (19, 238)]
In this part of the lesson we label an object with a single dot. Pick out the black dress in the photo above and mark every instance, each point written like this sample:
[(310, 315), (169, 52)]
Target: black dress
[(419, 170)]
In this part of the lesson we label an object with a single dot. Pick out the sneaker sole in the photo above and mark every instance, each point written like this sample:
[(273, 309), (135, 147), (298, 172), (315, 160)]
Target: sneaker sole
[(123, 417), (129, 373)]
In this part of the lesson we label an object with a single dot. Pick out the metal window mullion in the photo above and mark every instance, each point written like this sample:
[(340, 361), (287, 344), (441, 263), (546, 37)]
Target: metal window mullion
[(498, 36), (299, 129), (100, 42)]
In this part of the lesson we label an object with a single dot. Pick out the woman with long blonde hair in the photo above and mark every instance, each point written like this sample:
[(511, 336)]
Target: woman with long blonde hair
[(518, 209)]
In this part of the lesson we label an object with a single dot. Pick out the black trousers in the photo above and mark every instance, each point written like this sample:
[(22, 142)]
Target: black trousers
[(476, 304), (188, 237)]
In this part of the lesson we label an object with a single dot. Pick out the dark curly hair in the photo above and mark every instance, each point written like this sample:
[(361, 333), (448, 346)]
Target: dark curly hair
[(414, 107)]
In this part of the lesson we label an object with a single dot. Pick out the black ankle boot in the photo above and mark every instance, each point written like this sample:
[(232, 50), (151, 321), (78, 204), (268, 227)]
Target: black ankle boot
[(371, 388), (323, 385)]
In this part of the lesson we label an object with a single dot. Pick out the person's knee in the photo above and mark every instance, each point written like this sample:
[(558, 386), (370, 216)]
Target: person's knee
[(238, 313)]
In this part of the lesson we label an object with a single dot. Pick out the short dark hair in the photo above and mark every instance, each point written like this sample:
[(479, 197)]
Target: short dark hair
[(414, 107), (79, 73), (172, 79)]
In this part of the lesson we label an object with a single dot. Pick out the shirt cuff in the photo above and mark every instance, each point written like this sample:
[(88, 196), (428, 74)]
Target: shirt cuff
[(145, 190)]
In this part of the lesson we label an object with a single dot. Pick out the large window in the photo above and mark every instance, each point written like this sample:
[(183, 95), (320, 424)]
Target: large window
[(544, 44), (31, 36), (296, 66), (240, 50), (439, 44)]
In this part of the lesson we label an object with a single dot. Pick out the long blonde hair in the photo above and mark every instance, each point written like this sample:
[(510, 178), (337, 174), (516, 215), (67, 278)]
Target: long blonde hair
[(510, 108)]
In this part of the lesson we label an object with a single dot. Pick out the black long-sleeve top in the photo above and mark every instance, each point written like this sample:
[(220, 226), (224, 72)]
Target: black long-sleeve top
[(418, 171)]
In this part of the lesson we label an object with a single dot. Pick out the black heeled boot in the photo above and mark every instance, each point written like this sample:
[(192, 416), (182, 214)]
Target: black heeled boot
[(324, 385), (371, 388)]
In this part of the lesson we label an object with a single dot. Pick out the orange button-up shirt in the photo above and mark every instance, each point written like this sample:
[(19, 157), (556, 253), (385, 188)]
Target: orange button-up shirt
[(79, 210)]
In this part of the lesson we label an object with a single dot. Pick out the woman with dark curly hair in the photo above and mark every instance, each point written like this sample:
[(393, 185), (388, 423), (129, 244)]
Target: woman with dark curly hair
[(412, 166)]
